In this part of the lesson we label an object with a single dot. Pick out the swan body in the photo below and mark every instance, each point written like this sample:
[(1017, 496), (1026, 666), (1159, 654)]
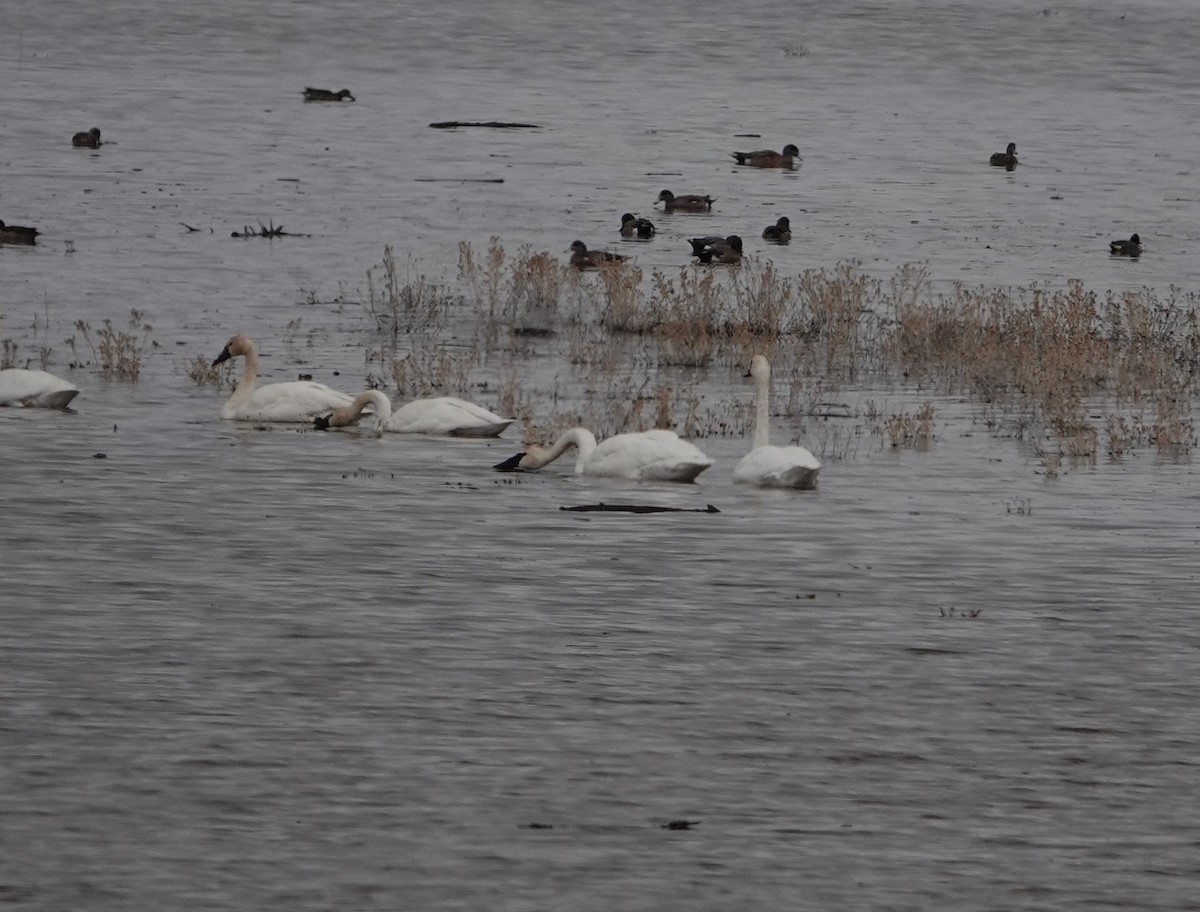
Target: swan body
[(35, 389), (444, 415), (769, 466), (294, 401), (658, 455)]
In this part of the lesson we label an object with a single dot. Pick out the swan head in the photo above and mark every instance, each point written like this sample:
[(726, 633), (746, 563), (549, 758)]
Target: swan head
[(238, 345), (347, 415), (534, 457)]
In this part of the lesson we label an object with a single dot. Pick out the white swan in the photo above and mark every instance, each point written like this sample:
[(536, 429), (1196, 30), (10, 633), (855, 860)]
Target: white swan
[(297, 400), (444, 415), (35, 389), (646, 456), (772, 466)]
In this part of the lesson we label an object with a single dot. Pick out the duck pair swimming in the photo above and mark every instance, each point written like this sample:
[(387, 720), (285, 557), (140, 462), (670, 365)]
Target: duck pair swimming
[(716, 249), (632, 226)]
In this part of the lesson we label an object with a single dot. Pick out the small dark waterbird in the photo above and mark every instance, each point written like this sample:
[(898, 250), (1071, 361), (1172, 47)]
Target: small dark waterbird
[(89, 139), (1006, 159), (769, 158), (780, 232), (582, 258), (18, 234), (1129, 248), (686, 202), (311, 94)]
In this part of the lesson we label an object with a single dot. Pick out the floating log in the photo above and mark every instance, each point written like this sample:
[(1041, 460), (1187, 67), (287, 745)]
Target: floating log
[(636, 508), (459, 180), (493, 124)]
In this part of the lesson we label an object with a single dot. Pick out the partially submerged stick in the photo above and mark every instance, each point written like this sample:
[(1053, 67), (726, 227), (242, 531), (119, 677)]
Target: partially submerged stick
[(494, 124), (636, 508)]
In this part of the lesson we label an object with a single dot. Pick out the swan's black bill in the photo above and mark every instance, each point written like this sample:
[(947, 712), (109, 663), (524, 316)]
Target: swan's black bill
[(224, 356), (512, 464), (321, 422)]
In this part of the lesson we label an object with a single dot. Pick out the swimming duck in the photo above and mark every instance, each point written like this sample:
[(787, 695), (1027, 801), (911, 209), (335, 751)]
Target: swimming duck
[(1129, 248), (708, 242), (88, 140), (17, 234), (780, 232), (1006, 159), (311, 94), (729, 252), (687, 202), (769, 158), (582, 258), (632, 226)]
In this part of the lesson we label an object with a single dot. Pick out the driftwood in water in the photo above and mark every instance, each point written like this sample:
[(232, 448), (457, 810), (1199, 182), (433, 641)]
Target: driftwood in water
[(636, 508), (459, 180), (494, 124), (267, 231)]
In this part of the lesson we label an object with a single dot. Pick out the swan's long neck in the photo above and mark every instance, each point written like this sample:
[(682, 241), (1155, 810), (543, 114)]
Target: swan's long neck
[(580, 438), (245, 387), (762, 408), (349, 414)]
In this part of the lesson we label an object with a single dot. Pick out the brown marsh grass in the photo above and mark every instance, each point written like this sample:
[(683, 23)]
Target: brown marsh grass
[(117, 354), (1071, 372), (1047, 359)]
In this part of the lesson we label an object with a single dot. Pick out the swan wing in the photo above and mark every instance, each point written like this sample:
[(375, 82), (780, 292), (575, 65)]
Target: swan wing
[(298, 401), (35, 389), (447, 415), (778, 467), (657, 455)]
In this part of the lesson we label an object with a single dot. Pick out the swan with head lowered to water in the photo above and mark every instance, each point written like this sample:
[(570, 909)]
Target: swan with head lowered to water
[(444, 415), (658, 455), (293, 401), (24, 388), (772, 466)]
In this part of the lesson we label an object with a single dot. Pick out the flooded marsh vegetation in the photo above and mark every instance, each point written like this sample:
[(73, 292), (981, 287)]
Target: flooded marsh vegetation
[(1072, 373)]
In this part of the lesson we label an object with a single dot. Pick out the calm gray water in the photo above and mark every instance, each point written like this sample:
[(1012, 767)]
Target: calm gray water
[(273, 670)]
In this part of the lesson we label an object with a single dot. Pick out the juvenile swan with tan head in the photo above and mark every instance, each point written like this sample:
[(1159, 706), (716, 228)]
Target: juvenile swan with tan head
[(294, 401), (657, 455), (444, 415), (772, 466)]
